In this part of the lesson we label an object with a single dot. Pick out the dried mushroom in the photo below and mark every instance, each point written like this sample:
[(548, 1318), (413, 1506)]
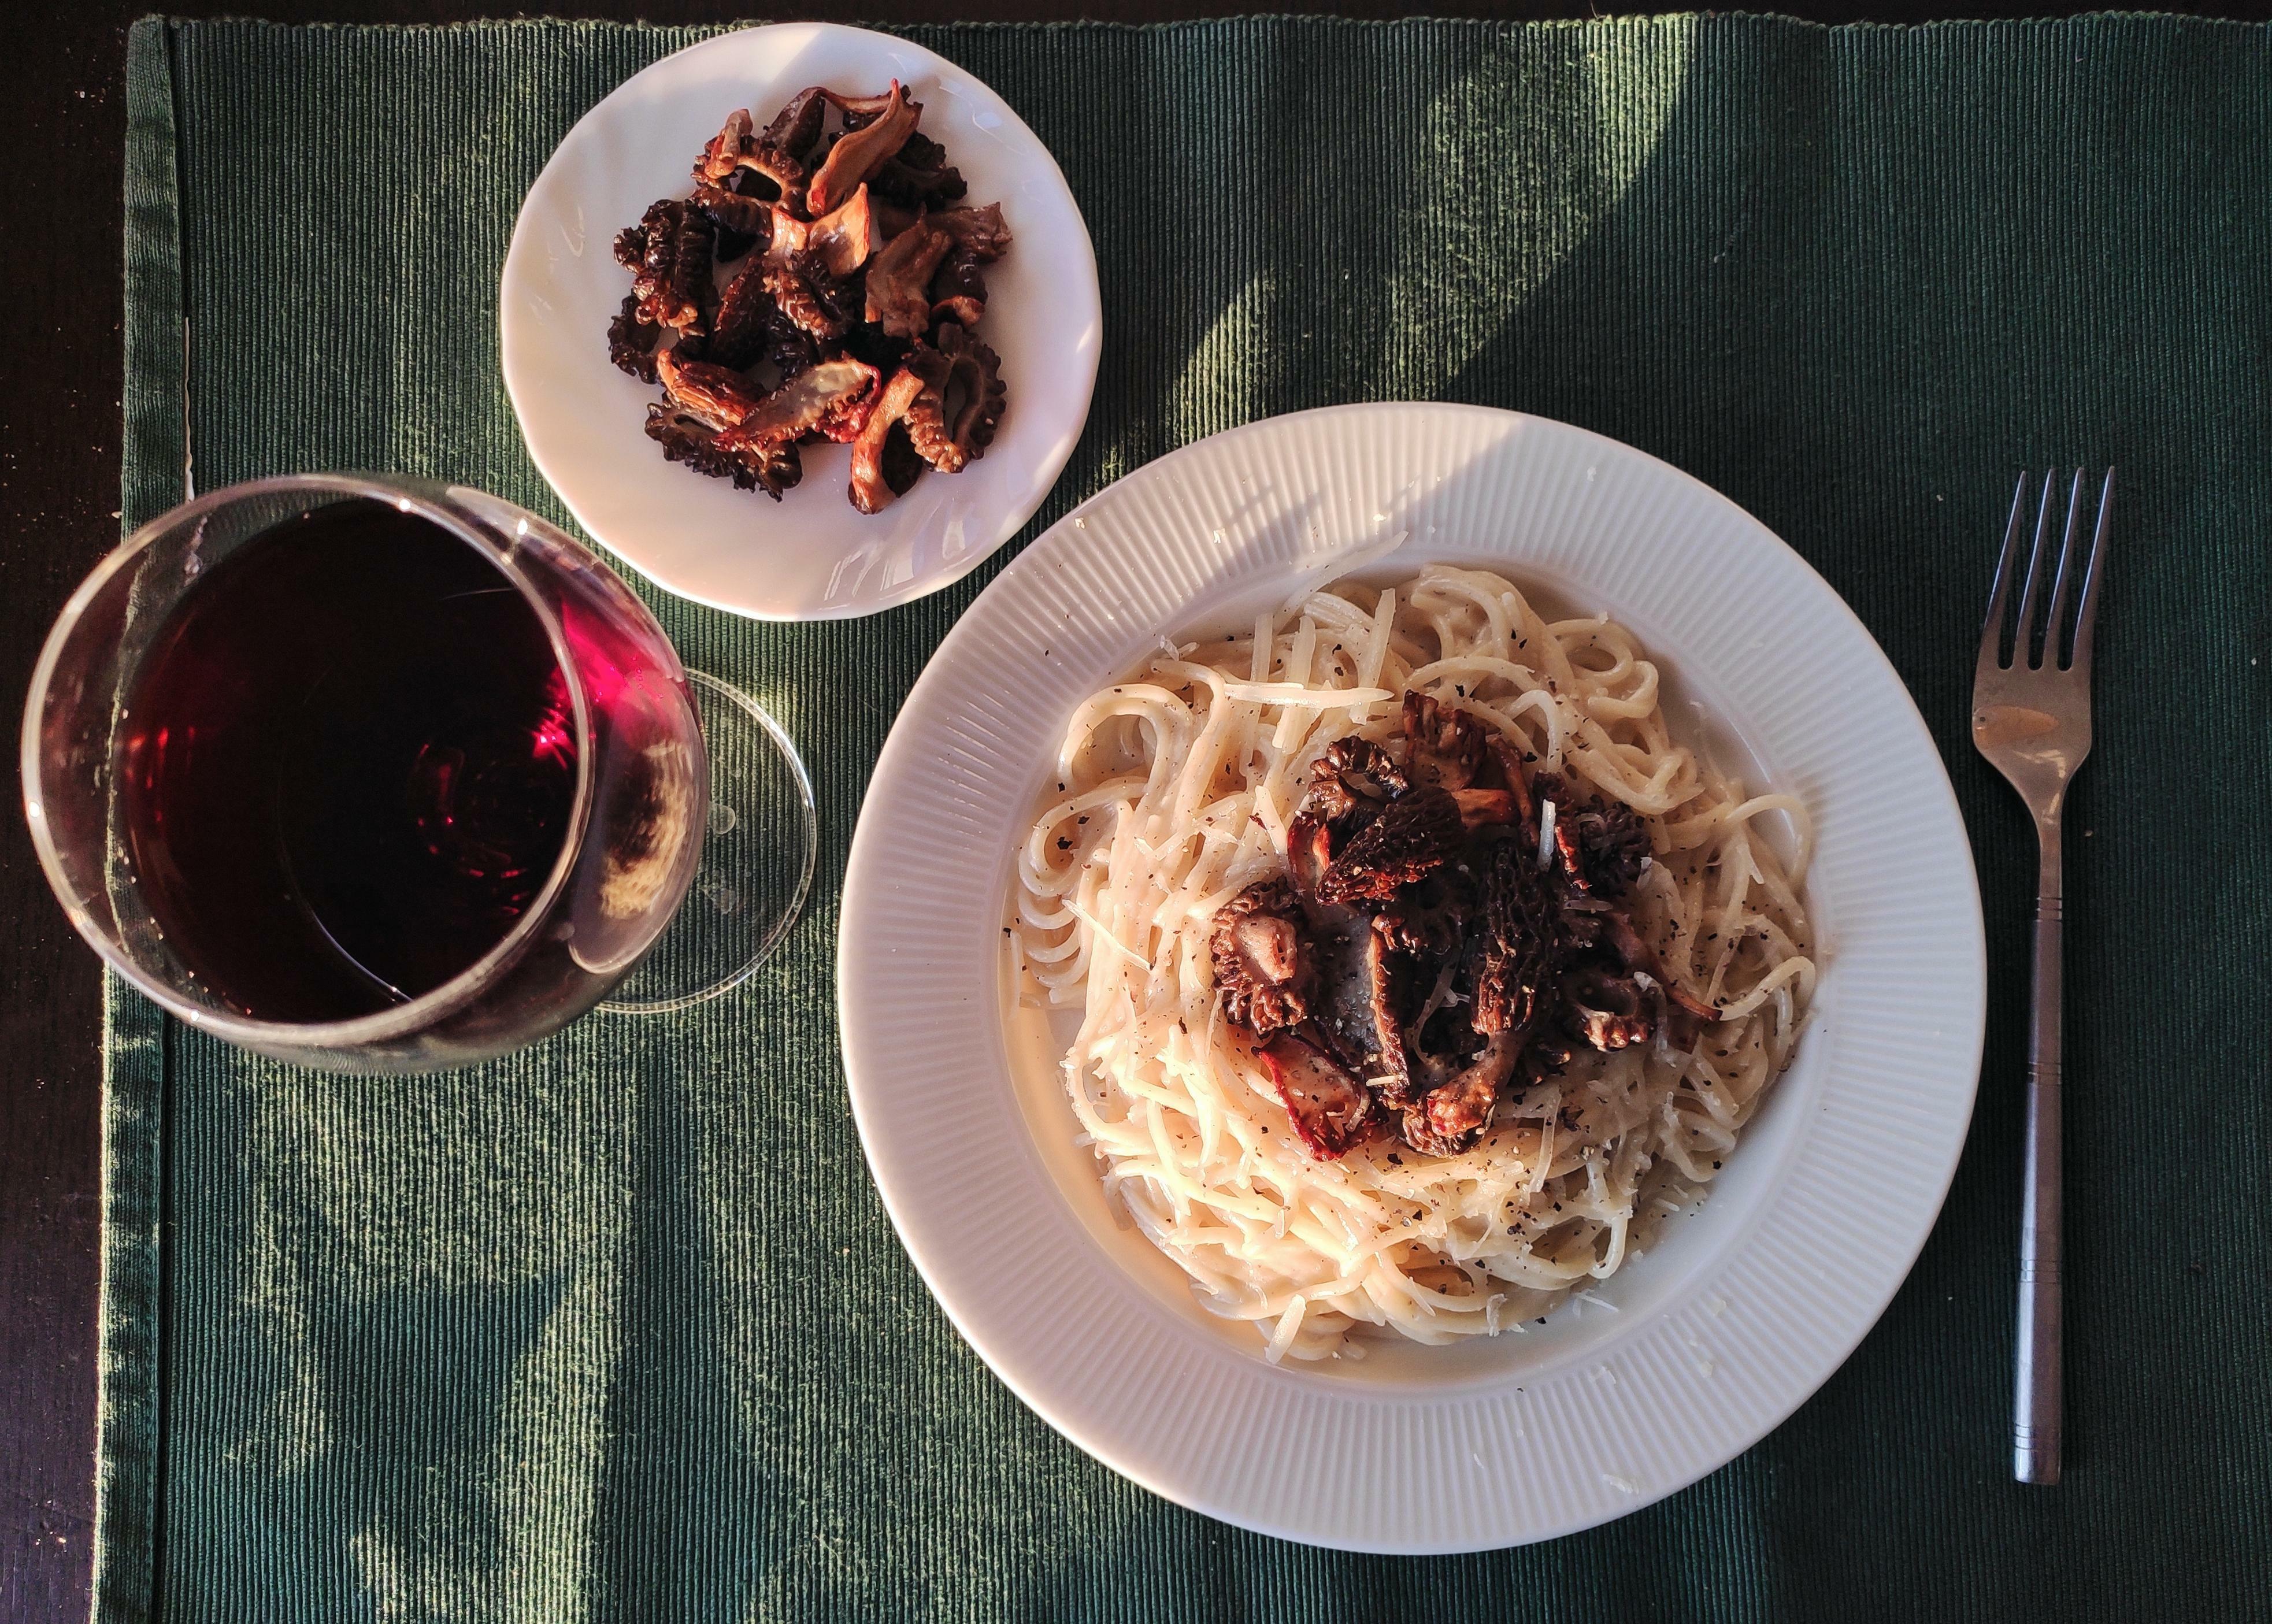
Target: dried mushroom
[(918, 175), (802, 299), (734, 149), (859, 152), (712, 421), (686, 438), (748, 324), (669, 254), (842, 240), (980, 232), (899, 283), (850, 322), (798, 125), (961, 405), (631, 339), (830, 399), (957, 289), (742, 221), (720, 396), (871, 490)]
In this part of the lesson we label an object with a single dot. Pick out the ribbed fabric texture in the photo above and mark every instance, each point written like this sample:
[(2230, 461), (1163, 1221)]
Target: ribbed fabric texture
[(617, 1329)]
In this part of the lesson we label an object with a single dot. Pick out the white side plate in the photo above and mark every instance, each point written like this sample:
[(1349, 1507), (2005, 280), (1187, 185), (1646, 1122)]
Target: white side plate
[(811, 556), (1693, 1352)]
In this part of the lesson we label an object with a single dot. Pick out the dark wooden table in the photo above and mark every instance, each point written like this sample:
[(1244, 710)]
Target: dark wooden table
[(62, 126)]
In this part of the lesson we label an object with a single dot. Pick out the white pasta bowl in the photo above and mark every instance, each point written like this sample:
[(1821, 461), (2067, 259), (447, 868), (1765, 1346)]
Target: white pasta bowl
[(811, 556), (1684, 1357)]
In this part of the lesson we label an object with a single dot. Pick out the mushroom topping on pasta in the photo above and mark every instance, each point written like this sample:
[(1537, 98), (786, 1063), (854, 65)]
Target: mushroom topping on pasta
[(1421, 970), (1262, 968), (1476, 934)]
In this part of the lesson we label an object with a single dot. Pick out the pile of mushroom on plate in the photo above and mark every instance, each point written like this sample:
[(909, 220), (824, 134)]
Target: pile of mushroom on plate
[(823, 282)]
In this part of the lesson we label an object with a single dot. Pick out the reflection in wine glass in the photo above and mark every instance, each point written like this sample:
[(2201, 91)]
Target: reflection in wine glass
[(380, 773), (751, 881)]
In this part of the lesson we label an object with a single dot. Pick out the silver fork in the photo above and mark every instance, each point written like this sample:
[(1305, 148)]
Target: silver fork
[(2031, 718)]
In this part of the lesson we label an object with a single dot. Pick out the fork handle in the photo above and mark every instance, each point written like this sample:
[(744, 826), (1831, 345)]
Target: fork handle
[(2036, 1418)]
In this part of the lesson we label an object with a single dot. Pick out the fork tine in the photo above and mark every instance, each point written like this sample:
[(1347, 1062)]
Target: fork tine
[(2086, 614), (1999, 596), (2031, 596), (2070, 566)]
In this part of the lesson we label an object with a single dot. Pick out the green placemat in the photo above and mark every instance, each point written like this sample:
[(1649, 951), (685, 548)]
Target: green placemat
[(616, 1330)]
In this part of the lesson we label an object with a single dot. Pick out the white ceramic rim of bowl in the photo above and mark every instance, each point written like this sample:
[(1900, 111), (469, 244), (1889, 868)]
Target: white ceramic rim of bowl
[(1871, 1118), (811, 557)]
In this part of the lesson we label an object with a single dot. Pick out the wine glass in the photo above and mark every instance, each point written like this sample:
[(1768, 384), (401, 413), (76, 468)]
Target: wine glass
[(381, 774)]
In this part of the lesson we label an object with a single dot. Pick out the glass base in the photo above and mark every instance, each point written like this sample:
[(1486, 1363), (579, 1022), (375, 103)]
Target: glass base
[(757, 861)]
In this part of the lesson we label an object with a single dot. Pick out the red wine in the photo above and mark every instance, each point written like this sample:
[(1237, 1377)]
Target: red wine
[(348, 767)]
